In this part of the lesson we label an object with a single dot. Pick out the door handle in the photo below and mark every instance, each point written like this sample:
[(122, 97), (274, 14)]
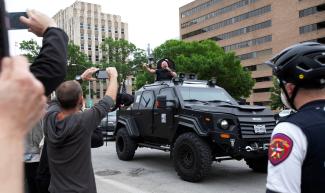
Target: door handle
[(137, 113)]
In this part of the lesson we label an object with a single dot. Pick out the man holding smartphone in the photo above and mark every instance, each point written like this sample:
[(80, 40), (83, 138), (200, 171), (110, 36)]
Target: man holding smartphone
[(68, 132)]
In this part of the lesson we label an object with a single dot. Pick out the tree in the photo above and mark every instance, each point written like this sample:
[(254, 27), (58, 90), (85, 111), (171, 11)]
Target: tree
[(77, 60), (30, 48), (208, 60), (123, 55), (276, 102)]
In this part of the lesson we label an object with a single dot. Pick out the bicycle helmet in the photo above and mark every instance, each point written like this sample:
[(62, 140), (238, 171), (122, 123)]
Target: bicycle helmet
[(302, 65)]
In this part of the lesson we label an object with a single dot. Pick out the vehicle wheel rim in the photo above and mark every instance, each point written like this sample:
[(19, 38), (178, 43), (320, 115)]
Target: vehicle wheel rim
[(187, 157), (120, 144)]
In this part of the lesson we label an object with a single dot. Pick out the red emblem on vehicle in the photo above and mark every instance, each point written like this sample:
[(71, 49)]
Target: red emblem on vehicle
[(280, 148)]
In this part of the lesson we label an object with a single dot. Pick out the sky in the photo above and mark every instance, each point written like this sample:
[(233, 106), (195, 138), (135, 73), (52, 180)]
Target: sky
[(149, 21)]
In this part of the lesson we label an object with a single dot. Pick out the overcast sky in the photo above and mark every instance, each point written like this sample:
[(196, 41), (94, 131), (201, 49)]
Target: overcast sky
[(150, 21)]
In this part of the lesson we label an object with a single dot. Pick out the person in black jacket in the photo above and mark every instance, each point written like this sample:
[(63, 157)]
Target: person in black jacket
[(50, 66), (163, 71), (50, 69)]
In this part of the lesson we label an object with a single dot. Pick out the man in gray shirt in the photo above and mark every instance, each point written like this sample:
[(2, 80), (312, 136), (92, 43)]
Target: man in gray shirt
[(68, 133)]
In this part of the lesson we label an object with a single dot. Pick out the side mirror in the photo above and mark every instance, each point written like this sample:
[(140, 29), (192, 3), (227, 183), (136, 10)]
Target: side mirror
[(162, 102), (242, 101)]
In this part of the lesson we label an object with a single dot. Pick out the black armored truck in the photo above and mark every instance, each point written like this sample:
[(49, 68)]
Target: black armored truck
[(198, 122)]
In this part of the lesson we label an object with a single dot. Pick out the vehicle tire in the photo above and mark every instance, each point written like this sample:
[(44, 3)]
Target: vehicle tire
[(125, 145), (257, 164), (192, 157)]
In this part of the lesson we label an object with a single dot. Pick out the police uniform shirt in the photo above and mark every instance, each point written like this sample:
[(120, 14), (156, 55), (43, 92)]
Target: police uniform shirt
[(287, 152)]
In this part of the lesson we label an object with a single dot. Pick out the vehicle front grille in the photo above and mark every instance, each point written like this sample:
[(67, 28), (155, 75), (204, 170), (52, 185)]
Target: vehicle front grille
[(247, 127)]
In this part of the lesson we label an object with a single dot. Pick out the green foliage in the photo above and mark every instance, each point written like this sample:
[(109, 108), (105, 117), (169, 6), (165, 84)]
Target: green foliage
[(30, 49), (208, 60), (276, 102), (123, 55), (77, 60), (143, 78)]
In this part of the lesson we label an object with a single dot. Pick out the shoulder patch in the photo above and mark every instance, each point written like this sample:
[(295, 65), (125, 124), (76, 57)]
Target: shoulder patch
[(280, 148)]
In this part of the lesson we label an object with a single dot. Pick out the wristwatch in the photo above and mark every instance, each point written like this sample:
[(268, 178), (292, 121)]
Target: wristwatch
[(78, 78)]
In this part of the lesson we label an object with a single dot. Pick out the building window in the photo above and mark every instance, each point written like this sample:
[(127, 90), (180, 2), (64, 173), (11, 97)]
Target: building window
[(244, 30), (259, 90), (249, 43), (96, 28), (199, 8), (256, 54), (263, 103), (312, 10), (89, 47), (81, 25), (254, 13), (88, 26), (89, 37), (97, 58), (263, 79), (96, 38), (89, 57), (82, 36), (122, 31), (103, 28), (82, 47), (250, 68), (312, 27), (219, 12), (96, 48), (109, 29)]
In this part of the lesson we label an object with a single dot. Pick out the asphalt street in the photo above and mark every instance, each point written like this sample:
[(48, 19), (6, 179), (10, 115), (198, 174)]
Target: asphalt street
[(152, 171)]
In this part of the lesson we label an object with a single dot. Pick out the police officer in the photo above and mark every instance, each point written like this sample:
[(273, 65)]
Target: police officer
[(297, 148)]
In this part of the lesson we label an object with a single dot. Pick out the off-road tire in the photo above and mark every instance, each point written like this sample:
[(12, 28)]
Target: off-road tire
[(257, 164), (125, 145), (192, 157)]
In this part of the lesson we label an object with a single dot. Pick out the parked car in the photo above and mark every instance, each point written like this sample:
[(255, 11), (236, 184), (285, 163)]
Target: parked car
[(107, 125)]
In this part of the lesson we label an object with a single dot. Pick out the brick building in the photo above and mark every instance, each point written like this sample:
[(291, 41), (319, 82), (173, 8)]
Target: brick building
[(254, 30)]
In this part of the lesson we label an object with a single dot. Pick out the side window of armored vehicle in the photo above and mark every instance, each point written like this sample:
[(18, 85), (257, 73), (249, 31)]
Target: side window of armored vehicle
[(137, 98), (170, 95), (147, 100)]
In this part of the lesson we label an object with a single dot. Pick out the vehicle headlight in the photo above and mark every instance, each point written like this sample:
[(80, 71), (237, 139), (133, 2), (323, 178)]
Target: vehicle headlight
[(224, 124)]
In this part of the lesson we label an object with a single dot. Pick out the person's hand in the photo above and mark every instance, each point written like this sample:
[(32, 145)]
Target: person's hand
[(87, 75), (112, 72), (22, 100), (37, 22)]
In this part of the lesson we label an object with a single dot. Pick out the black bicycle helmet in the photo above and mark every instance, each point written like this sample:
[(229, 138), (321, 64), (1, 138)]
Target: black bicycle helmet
[(301, 64)]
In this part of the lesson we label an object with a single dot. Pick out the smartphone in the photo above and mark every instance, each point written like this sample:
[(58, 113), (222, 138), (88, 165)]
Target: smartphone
[(101, 74), (14, 22), (4, 42)]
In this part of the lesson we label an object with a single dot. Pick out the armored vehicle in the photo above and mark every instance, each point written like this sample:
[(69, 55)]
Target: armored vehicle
[(198, 122)]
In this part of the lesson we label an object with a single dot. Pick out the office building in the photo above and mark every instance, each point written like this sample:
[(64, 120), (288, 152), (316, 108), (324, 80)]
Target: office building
[(87, 26), (254, 30)]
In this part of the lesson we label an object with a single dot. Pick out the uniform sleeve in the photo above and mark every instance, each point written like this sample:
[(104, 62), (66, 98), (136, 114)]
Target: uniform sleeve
[(287, 152), (49, 66), (92, 117)]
